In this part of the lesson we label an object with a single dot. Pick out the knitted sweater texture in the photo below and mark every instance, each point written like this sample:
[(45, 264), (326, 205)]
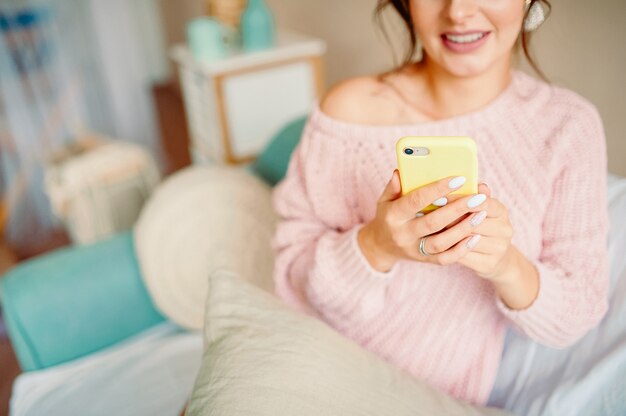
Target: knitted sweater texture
[(541, 150)]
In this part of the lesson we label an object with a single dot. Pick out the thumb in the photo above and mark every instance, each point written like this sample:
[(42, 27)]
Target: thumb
[(393, 189), (483, 188)]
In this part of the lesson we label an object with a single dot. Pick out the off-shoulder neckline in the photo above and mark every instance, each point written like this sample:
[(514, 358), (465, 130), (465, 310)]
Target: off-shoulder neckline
[(480, 116)]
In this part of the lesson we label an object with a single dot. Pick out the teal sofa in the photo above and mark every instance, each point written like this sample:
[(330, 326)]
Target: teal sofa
[(78, 300)]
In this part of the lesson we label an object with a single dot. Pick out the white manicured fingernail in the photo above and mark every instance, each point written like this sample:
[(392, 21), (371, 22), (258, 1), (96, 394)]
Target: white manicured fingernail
[(473, 241), (441, 202), (476, 200), (419, 214), (478, 218), (456, 182)]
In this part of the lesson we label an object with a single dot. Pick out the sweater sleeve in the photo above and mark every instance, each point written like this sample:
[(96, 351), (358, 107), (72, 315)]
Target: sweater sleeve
[(573, 265), (319, 267)]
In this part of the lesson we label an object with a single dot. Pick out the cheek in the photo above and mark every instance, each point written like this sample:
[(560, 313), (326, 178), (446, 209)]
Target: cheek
[(426, 19), (507, 21)]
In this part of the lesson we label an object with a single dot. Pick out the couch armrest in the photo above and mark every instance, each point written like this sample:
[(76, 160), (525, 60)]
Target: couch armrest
[(74, 301)]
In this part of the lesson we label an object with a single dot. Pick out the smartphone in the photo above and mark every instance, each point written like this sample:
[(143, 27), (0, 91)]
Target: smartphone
[(423, 160)]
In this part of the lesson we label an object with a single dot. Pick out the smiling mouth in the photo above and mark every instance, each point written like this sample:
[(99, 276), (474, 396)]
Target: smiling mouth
[(461, 39)]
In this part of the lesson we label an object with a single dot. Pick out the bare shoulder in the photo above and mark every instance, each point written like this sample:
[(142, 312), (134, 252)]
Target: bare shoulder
[(355, 100)]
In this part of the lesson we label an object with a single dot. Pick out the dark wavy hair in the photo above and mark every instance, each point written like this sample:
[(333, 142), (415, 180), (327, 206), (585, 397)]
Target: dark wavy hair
[(402, 7)]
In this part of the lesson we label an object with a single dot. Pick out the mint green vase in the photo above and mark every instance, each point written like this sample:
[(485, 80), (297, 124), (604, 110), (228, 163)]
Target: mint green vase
[(205, 37), (257, 26)]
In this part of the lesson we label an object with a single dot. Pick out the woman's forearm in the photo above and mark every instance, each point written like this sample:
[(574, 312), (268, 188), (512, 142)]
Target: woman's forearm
[(519, 285)]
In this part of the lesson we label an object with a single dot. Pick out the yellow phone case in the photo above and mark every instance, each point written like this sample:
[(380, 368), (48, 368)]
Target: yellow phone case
[(434, 158)]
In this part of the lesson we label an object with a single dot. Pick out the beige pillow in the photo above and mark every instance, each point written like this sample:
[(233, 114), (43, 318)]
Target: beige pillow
[(263, 359), (198, 220)]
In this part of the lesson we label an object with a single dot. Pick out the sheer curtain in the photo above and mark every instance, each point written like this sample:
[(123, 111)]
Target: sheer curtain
[(67, 66)]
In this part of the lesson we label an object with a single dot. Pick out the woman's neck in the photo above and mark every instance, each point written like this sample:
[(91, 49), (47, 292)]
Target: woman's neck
[(448, 95)]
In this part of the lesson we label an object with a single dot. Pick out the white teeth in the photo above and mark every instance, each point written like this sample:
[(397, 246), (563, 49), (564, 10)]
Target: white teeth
[(465, 38)]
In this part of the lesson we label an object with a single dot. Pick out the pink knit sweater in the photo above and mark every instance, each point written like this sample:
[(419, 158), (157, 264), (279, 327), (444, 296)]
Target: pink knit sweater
[(541, 150)]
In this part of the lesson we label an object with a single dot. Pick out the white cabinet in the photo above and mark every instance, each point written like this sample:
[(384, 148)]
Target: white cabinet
[(235, 104)]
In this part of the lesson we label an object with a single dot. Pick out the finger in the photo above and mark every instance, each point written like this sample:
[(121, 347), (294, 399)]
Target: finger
[(494, 247), (408, 205), (393, 189), (493, 227), (496, 208), (438, 219), (439, 242), (451, 198), (455, 253), (458, 220), (483, 188), (473, 260)]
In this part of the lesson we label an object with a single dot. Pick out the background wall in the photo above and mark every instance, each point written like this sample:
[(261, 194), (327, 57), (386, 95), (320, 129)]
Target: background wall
[(581, 47)]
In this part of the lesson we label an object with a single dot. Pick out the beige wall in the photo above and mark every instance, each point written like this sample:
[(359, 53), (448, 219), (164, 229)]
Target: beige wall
[(175, 15), (581, 47)]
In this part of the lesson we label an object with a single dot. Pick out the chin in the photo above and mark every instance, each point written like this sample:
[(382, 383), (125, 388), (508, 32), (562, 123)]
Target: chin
[(466, 66), (466, 70)]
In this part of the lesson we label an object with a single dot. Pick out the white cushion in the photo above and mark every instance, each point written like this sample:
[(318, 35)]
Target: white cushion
[(148, 374), (263, 359), (200, 219)]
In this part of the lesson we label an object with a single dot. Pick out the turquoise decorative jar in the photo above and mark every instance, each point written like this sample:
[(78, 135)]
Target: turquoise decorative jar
[(205, 37), (257, 26)]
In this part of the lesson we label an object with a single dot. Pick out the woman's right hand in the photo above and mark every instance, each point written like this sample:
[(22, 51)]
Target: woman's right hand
[(396, 231)]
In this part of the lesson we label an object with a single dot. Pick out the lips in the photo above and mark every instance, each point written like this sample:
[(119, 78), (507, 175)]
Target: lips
[(467, 32), (462, 42), (464, 37)]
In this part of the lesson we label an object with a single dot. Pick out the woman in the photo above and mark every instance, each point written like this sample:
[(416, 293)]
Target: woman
[(528, 251)]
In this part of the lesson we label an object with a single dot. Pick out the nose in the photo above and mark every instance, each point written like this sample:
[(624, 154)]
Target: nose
[(459, 10)]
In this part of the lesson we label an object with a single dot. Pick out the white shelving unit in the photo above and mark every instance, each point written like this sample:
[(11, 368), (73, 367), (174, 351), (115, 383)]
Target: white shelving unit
[(235, 104)]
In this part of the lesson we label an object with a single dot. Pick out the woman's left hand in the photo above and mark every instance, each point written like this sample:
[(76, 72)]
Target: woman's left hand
[(493, 257)]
